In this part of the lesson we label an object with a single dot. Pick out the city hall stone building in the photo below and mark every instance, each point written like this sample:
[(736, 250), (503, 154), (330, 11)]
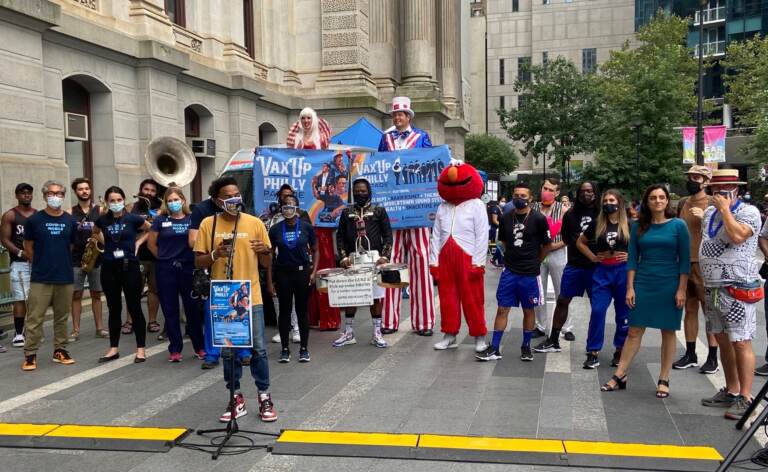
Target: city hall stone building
[(85, 85)]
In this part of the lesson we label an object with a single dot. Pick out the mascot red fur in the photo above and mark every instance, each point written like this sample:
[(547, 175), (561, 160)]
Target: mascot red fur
[(458, 249)]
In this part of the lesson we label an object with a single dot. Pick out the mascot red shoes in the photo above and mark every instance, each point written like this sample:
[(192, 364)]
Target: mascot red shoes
[(458, 249)]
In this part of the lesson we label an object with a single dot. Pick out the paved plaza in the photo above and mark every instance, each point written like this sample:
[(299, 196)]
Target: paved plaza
[(406, 388)]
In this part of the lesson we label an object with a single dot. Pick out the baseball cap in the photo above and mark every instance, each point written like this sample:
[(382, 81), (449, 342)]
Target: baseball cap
[(700, 170), (22, 187)]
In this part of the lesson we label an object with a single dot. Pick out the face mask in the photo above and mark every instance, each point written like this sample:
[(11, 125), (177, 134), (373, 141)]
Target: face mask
[(55, 202), (547, 197), (232, 205), (520, 203), (176, 206), (116, 207), (693, 187), (288, 211), (610, 208), (586, 199), (361, 199)]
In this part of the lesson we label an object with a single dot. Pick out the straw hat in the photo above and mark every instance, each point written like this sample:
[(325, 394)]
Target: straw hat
[(726, 177), (704, 171)]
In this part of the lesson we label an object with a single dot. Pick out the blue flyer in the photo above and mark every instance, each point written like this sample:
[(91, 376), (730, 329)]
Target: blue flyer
[(231, 316)]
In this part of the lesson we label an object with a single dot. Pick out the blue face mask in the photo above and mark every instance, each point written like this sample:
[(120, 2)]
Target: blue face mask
[(176, 206), (116, 207)]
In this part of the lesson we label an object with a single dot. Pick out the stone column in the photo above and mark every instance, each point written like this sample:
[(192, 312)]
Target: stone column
[(345, 49), (149, 20), (450, 55), (384, 43), (419, 45)]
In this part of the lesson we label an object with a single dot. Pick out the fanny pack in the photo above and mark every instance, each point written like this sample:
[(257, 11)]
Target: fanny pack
[(748, 293)]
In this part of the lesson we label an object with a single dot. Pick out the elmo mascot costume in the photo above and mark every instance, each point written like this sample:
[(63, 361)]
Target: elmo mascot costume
[(458, 249)]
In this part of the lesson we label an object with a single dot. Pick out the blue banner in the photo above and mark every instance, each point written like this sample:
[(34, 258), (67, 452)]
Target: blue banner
[(231, 316), (404, 182)]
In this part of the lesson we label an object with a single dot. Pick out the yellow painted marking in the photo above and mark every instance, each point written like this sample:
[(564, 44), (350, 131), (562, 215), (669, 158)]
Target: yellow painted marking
[(21, 429), (117, 432), (354, 439), (642, 450), (491, 444)]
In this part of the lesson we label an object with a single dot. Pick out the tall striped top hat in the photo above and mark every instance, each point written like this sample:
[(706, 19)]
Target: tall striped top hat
[(402, 104), (725, 176)]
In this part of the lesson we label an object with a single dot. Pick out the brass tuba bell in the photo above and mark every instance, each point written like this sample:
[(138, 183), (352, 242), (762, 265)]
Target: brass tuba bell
[(170, 161)]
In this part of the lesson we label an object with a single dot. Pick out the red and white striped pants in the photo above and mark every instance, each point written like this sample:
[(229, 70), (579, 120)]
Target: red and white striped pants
[(414, 242)]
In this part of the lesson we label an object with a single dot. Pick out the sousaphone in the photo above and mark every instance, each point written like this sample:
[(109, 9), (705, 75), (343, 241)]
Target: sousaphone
[(170, 161)]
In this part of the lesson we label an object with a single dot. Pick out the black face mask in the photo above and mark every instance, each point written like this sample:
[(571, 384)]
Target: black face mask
[(586, 200), (693, 187), (362, 199), (610, 208)]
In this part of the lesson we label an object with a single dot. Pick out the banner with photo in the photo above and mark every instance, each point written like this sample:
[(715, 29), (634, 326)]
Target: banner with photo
[(714, 144), (231, 315), (404, 182)]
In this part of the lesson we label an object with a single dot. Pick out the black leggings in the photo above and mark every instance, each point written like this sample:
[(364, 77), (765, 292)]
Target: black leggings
[(117, 279), (292, 285)]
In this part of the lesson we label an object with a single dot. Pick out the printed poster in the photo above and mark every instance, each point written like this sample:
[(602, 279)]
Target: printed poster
[(231, 315)]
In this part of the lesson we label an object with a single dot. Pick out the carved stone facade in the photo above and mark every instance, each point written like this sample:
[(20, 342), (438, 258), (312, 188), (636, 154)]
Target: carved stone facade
[(143, 73)]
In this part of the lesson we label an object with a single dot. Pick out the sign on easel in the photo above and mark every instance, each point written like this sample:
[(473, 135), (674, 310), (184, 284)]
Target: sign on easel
[(350, 289), (231, 315)]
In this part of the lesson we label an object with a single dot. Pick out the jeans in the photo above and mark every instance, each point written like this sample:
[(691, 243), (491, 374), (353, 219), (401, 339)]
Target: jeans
[(174, 280), (259, 364), (118, 277)]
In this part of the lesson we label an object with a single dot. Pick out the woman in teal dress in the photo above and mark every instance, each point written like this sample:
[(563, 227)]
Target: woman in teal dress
[(657, 275)]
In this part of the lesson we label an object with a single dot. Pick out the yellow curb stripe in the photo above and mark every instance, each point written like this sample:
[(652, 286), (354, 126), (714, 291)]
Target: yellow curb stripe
[(22, 429), (117, 432), (642, 450), (353, 439), (491, 444)]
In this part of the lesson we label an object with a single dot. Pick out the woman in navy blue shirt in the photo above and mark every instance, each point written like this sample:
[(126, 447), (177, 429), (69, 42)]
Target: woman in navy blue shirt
[(294, 272), (169, 243), (120, 270)]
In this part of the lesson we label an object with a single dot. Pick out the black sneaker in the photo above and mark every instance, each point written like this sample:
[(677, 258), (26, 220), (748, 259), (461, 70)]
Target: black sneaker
[(489, 354), (762, 370), (568, 336), (304, 355), (592, 361), (285, 356), (548, 346), (537, 333), (525, 354), (685, 362), (616, 358), (709, 367), (209, 365)]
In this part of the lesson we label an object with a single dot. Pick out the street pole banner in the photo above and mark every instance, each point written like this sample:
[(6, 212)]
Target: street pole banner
[(231, 315), (404, 182), (714, 144)]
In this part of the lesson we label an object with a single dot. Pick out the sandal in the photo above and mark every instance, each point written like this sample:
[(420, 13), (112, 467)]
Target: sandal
[(153, 327), (127, 328), (74, 337), (661, 393), (619, 384)]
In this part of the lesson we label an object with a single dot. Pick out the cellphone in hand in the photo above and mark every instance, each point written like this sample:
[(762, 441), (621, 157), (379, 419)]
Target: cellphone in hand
[(227, 241)]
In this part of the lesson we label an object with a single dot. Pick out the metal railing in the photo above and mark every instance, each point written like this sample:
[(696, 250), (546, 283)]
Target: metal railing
[(710, 15), (716, 48)]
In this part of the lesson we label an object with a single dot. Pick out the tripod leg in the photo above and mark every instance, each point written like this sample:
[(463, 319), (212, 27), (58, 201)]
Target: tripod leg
[(755, 401), (744, 439)]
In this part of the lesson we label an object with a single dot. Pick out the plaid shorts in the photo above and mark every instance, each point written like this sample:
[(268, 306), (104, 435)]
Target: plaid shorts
[(725, 314)]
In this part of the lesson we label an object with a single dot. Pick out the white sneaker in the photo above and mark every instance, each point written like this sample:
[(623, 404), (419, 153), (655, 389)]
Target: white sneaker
[(18, 340), (448, 342), (347, 338), (276, 338), (480, 344), (295, 336), (379, 341)]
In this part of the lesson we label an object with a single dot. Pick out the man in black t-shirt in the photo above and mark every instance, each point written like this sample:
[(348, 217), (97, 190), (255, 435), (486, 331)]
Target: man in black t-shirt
[(577, 276), (525, 236), (147, 206)]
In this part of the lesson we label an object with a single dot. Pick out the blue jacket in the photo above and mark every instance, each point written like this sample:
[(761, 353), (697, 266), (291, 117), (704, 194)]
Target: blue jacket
[(417, 138)]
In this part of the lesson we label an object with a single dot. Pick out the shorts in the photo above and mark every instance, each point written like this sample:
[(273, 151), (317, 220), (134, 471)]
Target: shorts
[(378, 291), (519, 290), (695, 287), (20, 272), (576, 281), (94, 279), (148, 276), (725, 314)]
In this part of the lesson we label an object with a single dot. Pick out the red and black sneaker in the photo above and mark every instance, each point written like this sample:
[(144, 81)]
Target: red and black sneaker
[(239, 409), (267, 408)]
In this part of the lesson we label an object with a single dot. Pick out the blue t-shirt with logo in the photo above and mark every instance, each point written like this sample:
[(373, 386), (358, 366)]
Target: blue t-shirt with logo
[(292, 244), (172, 238), (53, 237), (120, 235)]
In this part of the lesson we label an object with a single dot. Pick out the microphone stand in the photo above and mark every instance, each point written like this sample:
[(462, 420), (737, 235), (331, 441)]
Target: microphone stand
[(229, 354)]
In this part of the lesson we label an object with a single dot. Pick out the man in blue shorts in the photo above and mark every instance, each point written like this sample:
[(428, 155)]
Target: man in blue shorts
[(525, 237), (577, 276)]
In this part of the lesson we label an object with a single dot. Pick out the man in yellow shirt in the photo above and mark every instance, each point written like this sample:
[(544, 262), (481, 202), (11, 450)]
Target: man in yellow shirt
[(251, 247)]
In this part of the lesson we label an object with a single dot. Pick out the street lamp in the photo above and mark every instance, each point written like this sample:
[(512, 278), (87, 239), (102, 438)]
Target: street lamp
[(636, 125), (700, 103)]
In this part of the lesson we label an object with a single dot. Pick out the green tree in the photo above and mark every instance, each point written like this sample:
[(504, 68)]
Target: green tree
[(490, 153), (747, 85), (556, 107), (647, 92)]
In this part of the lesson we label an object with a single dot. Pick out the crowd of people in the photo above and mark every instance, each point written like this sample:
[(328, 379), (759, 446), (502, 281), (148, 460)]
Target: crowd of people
[(651, 261)]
